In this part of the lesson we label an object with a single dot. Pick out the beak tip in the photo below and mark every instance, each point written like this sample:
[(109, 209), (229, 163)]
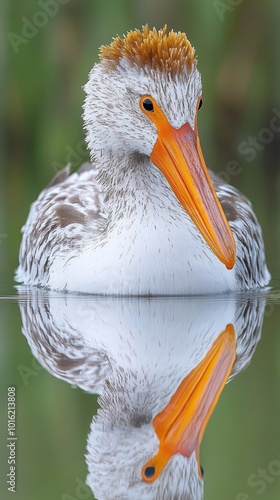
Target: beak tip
[(230, 263), (228, 257)]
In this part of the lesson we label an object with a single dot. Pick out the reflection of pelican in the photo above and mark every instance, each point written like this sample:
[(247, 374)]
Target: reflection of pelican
[(136, 353), (123, 226)]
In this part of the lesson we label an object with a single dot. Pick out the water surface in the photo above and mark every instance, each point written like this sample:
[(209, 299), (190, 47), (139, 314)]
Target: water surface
[(58, 351)]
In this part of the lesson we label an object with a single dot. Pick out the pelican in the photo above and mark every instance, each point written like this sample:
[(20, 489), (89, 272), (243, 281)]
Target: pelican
[(155, 395), (145, 217)]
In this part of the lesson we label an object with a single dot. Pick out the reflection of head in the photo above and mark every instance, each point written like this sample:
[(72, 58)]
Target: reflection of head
[(120, 442)]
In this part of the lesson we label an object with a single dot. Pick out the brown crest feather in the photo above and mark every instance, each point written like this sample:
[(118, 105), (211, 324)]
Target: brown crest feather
[(161, 50)]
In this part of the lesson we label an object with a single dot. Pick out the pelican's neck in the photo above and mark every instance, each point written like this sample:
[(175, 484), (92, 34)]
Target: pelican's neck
[(131, 182)]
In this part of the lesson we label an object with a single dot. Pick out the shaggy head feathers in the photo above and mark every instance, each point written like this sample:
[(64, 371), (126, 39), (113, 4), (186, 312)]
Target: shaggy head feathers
[(169, 52)]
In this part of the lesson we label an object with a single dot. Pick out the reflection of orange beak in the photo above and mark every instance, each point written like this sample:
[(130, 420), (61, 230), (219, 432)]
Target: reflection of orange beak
[(178, 155), (180, 426)]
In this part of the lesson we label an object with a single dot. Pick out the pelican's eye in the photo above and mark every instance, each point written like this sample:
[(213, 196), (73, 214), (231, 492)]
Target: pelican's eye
[(200, 103), (202, 471), (149, 472), (147, 104), (151, 109)]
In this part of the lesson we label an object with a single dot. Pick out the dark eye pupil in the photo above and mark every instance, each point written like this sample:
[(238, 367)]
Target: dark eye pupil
[(149, 472), (200, 104), (148, 105), (202, 471)]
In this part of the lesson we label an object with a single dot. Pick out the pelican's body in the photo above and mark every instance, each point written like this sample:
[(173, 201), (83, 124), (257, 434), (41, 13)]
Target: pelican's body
[(122, 226)]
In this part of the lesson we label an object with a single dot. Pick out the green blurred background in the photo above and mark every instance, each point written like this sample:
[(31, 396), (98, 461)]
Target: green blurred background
[(41, 95)]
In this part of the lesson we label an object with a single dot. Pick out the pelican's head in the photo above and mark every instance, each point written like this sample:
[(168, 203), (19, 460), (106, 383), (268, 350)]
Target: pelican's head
[(143, 98)]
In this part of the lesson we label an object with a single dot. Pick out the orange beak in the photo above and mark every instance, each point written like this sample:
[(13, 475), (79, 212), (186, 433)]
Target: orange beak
[(177, 153), (180, 426)]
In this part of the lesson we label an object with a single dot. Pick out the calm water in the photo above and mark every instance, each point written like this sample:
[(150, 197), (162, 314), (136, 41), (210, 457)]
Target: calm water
[(57, 351)]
